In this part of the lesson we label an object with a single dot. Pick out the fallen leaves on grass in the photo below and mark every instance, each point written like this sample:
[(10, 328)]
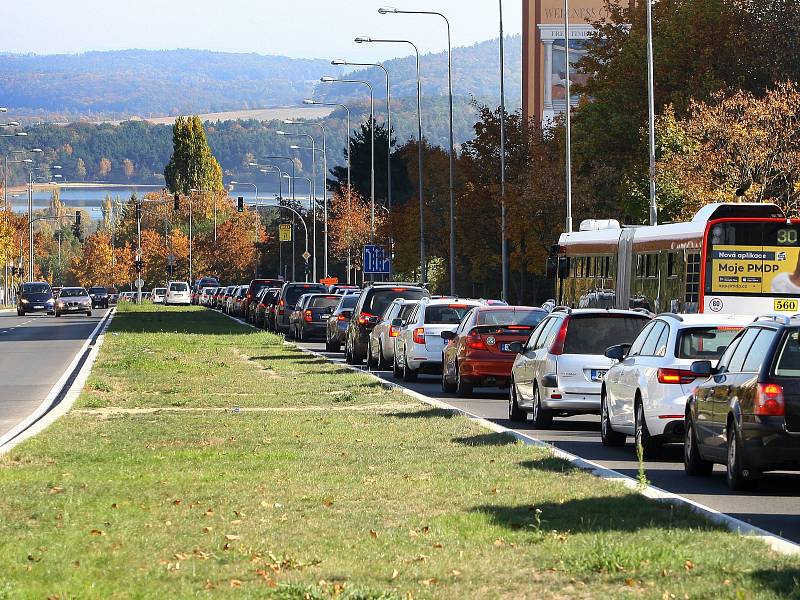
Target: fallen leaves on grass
[(97, 532), (373, 533), (56, 490), (231, 537)]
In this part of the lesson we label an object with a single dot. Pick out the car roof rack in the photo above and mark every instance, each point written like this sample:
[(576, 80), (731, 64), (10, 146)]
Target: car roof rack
[(783, 319), (670, 315)]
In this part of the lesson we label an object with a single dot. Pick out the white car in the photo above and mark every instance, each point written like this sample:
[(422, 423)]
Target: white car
[(178, 292), (560, 369), (205, 296), (419, 343), (158, 295), (644, 394), (380, 348)]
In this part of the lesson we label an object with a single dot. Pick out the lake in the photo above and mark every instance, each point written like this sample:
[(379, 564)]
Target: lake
[(91, 197)]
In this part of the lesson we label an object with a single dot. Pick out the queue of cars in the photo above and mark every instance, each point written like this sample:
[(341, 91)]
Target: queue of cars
[(39, 296), (727, 387)]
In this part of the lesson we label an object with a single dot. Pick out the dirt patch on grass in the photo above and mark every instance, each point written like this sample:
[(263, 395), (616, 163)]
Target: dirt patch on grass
[(113, 411)]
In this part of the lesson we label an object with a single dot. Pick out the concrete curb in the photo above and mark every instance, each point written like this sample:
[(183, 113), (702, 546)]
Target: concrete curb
[(63, 394), (775, 542)]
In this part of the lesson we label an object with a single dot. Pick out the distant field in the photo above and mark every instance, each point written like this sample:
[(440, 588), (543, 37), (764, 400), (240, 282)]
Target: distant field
[(261, 114)]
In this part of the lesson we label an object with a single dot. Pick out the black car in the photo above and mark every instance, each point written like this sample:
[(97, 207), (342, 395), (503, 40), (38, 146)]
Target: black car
[(338, 322), (372, 302), (746, 413), (310, 321), (99, 296), (35, 296), (290, 294)]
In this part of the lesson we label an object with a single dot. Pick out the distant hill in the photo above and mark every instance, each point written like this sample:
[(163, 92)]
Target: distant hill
[(152, 83), (120, 84)]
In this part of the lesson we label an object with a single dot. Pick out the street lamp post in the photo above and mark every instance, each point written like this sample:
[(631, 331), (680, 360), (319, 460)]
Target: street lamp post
[(341, 62), (651, 120), (568, 120), (313, 198), (422, 257), (372, 143), (503, 237), (391, 10), (324, 190)]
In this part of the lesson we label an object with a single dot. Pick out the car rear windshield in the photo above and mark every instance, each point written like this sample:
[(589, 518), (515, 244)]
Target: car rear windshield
[(788, 364), (160, 291), (705, 343), (446, 314), (72, 292), (530, 318), (348, 301), (178, 287), (35, 288), (382, 297), (324, 301), (97, 290), (293, 292), (592, 334)]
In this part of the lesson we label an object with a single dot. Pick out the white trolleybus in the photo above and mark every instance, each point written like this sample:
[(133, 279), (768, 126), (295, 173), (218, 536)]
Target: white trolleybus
[(730, 258)]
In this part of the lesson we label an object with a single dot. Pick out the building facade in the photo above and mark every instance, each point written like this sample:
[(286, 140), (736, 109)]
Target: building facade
[(544, 69)]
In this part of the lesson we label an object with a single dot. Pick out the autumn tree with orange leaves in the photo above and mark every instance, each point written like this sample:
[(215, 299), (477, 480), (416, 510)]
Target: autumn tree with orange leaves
[(100, 264), (349, 225)]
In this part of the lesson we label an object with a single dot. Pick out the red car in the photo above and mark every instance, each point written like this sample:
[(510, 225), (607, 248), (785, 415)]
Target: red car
[(478, 353)]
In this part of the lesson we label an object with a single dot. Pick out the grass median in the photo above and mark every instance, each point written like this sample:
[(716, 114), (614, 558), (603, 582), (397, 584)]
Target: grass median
[(207, 459)]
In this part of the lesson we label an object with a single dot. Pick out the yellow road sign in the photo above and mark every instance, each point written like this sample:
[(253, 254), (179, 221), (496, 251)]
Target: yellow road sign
[(285, 231)]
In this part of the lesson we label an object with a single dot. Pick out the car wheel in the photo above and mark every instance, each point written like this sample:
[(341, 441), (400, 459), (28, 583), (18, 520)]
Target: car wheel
[(348, 353), (88, 313), (608, 436), (447, 387), (381, 364), (20, 313), (463, 387), (409, 374), (333, 347), (739, 477), (693, 463), (651, 445), (515, 413), (397, 372), (58, 314), (542, 419)]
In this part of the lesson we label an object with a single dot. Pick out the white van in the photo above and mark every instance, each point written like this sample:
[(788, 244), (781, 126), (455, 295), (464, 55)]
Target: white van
[(177, 293)]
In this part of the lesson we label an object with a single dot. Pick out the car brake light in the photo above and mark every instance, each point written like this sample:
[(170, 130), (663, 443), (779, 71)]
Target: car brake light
[(307, 316), (282, 302), (341, 318), (392, 331), (398, 289), (769, 400), (419, 335), (519, 327), (457, 305), (475, 341), (557, 347), (364, 317), (675, 376)]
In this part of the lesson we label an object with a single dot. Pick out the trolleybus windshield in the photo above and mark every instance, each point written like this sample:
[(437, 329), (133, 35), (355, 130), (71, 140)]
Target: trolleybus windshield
[(753, 259)]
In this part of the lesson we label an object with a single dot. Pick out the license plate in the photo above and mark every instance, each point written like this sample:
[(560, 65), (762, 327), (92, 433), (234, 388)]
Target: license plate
[(786, 304), (38, 306), (598, 374), (505, 347)]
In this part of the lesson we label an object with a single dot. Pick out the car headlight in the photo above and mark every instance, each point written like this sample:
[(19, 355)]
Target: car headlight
[(60, 303), (50, 301), (87, 301)]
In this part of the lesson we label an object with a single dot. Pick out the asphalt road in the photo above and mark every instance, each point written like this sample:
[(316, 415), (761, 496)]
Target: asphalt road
[(35, 350), (775, 506)]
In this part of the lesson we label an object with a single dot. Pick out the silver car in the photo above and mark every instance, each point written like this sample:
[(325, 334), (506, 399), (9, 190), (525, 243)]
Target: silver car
[(380, 350), (73, 300), (560, 369)]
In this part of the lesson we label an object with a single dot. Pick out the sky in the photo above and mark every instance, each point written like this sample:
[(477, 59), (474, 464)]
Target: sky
[(295, 28)]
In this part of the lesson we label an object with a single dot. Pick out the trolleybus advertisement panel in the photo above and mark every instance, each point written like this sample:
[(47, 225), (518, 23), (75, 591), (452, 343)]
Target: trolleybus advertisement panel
[(771, 268)]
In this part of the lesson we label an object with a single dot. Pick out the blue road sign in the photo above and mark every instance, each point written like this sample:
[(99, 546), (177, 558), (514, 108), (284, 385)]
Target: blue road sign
[(376, 260)]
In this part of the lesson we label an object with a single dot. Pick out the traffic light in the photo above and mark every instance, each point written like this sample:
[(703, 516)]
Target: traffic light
[(138, 264), (21, 272), (138, 211), (240, 204), (13, 271), (76, 226), (78, 218), (177, 201)]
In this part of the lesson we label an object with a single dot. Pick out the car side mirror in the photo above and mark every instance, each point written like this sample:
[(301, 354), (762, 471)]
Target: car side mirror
[(515, 347), (448, 335), (397, 322), (373, 320), (703, 368), (618, 352)]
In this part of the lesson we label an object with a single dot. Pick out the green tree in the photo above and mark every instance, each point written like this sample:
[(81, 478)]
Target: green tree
[(192, 164)]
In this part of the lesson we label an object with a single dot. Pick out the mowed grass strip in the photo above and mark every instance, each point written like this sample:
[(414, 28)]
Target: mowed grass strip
[(400, 502)]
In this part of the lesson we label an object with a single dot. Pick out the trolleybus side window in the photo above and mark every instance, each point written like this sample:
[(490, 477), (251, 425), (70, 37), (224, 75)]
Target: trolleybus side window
[(692, 277)]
